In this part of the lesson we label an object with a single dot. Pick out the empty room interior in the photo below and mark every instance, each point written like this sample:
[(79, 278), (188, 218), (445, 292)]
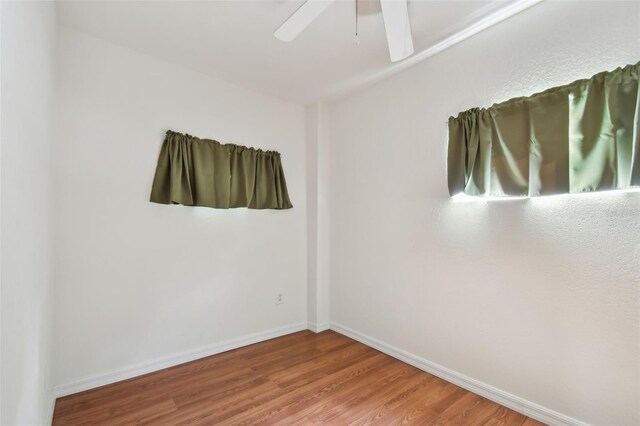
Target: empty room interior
[(320, 212)]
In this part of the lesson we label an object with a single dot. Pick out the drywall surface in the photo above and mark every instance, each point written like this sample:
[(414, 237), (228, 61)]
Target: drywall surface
[(312, 213), (138, 281), (28, 128), (318, 231), (539, 297)]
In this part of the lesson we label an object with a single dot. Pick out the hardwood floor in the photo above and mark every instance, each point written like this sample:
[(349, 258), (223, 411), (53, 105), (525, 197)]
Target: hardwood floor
[(300, 379)]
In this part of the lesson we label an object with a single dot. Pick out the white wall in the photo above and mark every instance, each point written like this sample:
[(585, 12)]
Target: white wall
[(318, 220), (138, 281), (27, 132), (539, 298)]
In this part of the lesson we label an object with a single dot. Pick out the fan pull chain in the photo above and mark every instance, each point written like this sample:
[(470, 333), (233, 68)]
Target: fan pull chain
[(357, 39)]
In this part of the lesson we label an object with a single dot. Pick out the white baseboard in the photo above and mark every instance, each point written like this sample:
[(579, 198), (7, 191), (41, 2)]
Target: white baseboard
[(513, 402), (516, 403), (139, 369), (317, 328)]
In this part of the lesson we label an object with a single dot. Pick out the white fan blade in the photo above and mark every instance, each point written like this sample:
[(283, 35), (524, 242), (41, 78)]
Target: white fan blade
[(396, 23), (301, 18)]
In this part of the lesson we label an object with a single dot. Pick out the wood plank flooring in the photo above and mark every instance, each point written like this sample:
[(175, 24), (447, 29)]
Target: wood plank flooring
[(299, 379)]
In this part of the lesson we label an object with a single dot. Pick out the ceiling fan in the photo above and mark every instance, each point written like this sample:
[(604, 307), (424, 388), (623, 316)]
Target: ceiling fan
[(395, 14)]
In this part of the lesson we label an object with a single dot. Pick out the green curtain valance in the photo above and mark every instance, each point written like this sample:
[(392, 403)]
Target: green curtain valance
[(575, 138), (204, 172)]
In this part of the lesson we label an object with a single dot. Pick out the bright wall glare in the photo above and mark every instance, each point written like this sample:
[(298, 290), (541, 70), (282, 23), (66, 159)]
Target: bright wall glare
[(464, 198)]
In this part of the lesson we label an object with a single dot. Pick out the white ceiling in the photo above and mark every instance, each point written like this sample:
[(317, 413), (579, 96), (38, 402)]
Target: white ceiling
[(233, 40)]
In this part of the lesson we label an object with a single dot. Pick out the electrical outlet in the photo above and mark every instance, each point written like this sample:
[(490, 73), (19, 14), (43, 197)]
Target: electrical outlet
[(279, 299)]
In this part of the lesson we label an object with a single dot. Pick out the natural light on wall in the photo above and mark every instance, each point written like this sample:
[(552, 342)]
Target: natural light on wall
[(464, 198)]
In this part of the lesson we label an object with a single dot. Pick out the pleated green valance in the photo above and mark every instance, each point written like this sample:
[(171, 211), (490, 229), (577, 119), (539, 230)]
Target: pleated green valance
[(575, 138), (204, 172)]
